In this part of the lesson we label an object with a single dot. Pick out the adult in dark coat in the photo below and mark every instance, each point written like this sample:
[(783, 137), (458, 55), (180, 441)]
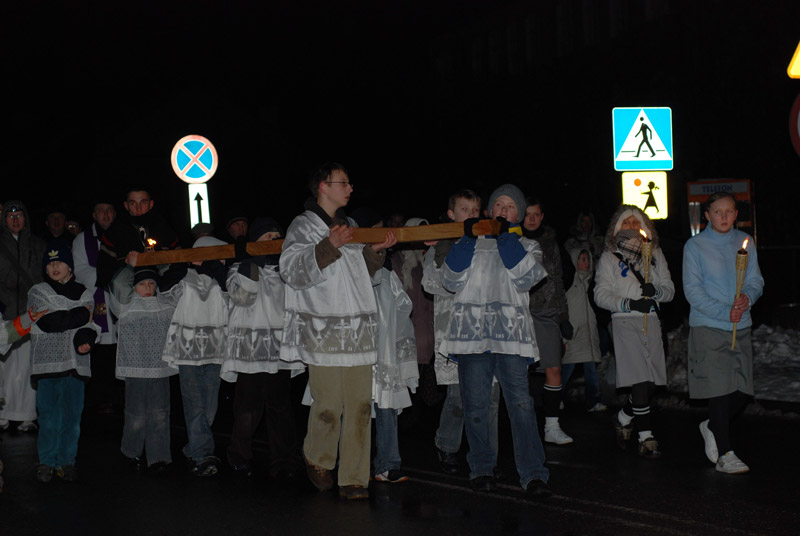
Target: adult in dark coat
[(21, 255), (131, 232)]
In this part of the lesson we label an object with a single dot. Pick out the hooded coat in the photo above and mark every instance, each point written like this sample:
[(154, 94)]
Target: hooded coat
[(20, 263), (639, 357), (585, 343)]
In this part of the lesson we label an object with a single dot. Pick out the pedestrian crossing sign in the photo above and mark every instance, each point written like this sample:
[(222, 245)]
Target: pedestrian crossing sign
[(642, 139), (646, 190)]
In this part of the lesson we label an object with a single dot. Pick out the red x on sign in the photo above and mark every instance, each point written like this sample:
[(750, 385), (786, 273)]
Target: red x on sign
[(194, 159)]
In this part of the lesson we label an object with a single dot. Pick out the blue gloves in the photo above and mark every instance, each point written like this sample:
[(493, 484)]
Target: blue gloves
[(510, 249), (460, 255)]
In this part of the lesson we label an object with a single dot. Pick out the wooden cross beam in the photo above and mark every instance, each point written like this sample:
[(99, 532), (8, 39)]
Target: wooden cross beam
[(365, 235)]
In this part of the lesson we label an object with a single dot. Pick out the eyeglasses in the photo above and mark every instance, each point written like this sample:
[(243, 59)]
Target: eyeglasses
[(345, 183)]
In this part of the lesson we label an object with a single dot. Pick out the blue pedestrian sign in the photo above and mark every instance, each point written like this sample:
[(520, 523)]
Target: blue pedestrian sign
[(642, 139)]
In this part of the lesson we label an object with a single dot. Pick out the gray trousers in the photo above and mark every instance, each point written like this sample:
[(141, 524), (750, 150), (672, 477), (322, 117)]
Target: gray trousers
[(147, 419)]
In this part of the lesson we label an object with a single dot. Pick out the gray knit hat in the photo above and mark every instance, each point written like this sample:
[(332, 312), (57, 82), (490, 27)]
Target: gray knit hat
[(515, 194)]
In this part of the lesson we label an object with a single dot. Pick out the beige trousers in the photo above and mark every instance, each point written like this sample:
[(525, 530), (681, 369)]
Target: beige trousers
[(339, 421)]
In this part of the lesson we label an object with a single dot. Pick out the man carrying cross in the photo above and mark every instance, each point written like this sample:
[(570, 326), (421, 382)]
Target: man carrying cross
[(131, 233), (329, 290)]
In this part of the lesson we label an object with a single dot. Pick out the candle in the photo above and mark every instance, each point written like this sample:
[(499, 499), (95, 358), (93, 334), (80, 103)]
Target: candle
[(151, 244), (741, 269)]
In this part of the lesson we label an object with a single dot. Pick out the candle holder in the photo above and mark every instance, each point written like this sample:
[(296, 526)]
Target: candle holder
[(647, 256), (741, 268)]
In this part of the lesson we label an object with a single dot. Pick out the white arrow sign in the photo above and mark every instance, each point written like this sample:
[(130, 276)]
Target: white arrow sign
[(198, 205)]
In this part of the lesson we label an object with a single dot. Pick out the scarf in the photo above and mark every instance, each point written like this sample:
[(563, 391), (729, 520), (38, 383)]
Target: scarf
[(629, 244)]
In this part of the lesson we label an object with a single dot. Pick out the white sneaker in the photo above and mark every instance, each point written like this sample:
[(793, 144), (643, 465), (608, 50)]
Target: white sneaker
[(598, 407), (710, 441), (554, 434), (731, 464), (27, 426)]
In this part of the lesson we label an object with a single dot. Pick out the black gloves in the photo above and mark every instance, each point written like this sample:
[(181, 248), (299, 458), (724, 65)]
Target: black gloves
[(648, 290), (642, 305), (468, 223), (240, 247), (504, 225)]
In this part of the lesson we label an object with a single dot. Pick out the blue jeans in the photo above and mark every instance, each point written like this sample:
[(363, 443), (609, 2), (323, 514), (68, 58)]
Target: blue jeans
[(60, 404), (590, 377), (200, 392), (475, 372), (146, 419), (387, 451), (451, 420)]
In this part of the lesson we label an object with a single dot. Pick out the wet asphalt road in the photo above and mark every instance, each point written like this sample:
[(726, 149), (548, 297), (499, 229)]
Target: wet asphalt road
[(598, 488)]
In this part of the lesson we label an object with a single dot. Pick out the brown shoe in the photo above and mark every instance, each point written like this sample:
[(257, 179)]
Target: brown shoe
[(353, 492), (649, 449), (321, 478)]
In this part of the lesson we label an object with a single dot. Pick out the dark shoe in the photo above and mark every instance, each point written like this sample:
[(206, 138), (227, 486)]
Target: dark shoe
[(67, 473), (244, 469), (321, 478), (136, 464), (623, 433), (538, 489), (208, 466), (392, 475), (44, 473), (483, 483), (158, 468), (448, 461), (498, 474), (649, 449), (353, 493)]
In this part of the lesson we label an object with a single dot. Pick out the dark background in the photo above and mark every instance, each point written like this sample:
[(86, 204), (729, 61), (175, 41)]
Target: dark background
[(417, 98)]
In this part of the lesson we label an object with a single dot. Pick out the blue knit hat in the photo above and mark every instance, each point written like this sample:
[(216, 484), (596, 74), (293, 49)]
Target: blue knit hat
[(58, 250)]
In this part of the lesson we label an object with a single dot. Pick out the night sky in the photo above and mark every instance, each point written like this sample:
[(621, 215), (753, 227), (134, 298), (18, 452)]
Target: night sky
[(416, 98)]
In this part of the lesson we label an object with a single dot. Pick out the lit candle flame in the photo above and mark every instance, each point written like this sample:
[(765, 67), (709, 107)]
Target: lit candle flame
[(151, 242), (644, 235), (744, 244)]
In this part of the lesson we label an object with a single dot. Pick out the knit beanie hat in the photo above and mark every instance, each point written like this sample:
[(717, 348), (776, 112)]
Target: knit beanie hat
[(413, 222), (205, 241), (58, 250), (143, 273), (515, 194), (262, 225)]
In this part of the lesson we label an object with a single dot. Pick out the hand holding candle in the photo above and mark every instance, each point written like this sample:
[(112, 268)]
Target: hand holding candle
[(647, 256), (739, 305)]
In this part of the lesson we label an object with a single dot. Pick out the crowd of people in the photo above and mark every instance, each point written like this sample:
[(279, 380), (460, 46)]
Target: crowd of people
[(491, 314)]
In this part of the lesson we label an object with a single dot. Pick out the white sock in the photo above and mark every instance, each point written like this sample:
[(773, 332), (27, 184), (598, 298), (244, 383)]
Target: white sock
[(624, 418), (645, 434), (550, 421)]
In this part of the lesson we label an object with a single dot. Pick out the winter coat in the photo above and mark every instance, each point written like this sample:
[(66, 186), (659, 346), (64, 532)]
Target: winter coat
[(548, 294), (585, 343), (709, 278), (615, 284), (20, 263)]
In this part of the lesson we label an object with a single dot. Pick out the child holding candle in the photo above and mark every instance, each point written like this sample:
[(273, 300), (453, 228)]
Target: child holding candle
[(621, 289), (718, 372)]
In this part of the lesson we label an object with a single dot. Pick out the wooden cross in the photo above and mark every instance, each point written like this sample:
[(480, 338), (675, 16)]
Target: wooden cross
[(364, 235)]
